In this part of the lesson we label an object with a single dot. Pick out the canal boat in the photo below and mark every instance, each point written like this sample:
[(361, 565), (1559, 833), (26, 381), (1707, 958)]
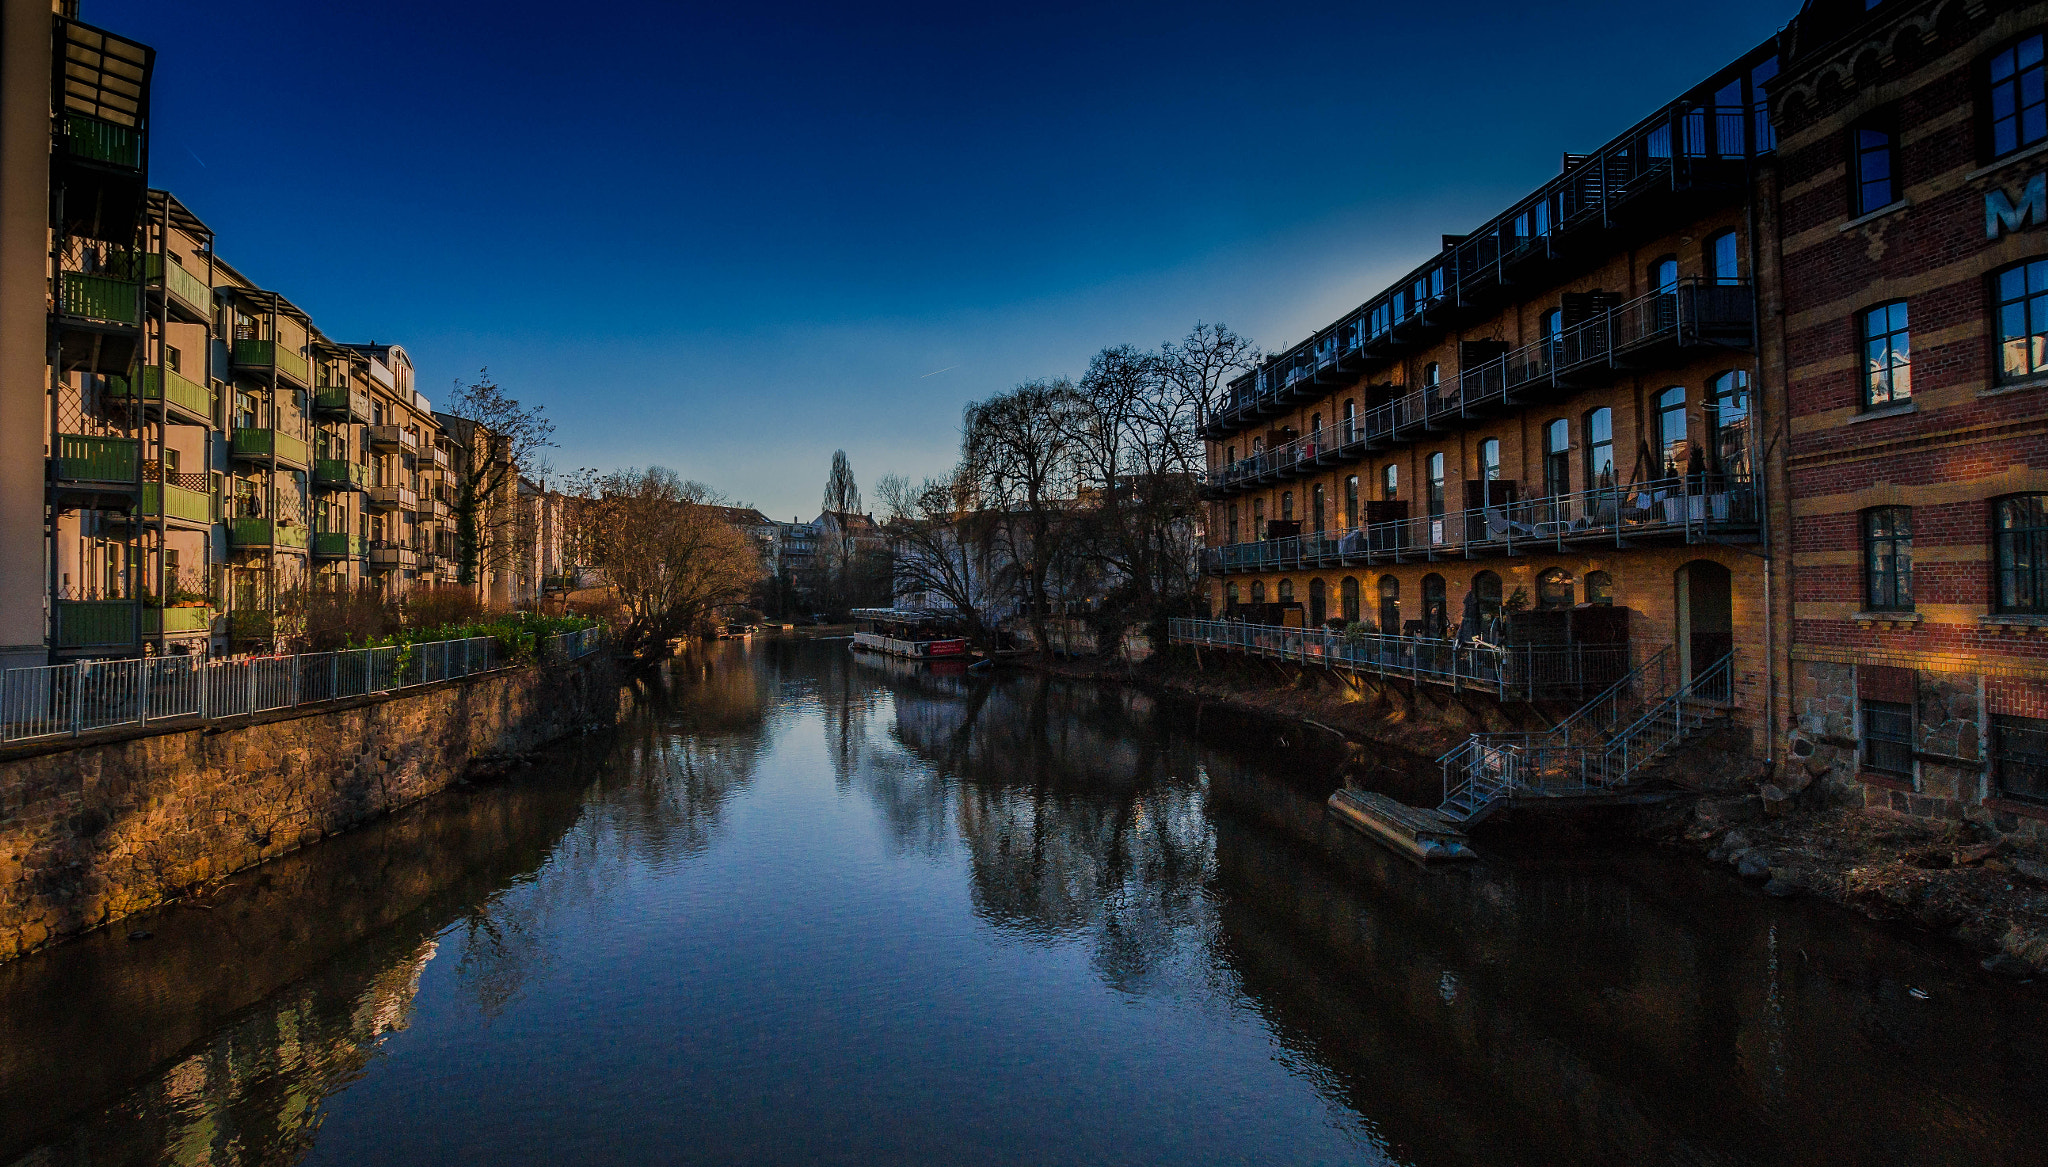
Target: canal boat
[(1417, 832), (906, 633)]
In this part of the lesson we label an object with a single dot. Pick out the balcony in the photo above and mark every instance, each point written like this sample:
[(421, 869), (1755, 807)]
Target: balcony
[(113, 461), (176, 503), (181, 288), (391, 438), (257, 444), (434, 458), (385, 555), (1643, 333), (338, 545), (169, 389), (426, 506), (93, 140), (94, 624), (98, 322), (338, 474), (341, 403), (1693, 509), (265, 534), (184, 621), (249, 624), (261, 358), (391, 498)]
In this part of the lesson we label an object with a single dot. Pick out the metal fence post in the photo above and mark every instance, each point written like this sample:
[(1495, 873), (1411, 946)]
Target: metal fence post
[(142, 712), (77, 699)]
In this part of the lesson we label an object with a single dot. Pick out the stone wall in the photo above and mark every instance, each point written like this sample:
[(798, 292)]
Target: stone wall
[(94, 830)]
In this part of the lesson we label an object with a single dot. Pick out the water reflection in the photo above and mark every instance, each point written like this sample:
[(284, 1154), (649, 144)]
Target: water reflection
[(806, 908)]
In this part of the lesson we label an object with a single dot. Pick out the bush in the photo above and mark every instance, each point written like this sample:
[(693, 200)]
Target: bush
[(519, 634)]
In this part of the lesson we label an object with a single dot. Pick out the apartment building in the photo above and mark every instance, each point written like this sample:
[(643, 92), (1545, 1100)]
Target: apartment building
[(1914, 156), (1546, 431)]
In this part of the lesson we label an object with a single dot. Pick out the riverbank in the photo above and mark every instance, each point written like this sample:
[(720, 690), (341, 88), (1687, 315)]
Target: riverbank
[(1989, 895)]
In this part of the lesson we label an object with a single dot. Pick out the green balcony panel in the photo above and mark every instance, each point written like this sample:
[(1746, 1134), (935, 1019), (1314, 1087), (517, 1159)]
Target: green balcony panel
[(335, 472), (261, 443), (96, 297), (263, 354), (195, 506), (95, 623), (88, 459), (336, 544), (161, 384), (173, 621), (178, 282), (265, 533), (89, 137)]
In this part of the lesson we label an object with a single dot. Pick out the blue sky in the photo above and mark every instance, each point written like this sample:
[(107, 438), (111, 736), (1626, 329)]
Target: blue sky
[(730, 239)]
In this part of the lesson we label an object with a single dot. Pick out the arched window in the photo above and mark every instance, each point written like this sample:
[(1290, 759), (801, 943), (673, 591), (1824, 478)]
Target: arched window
[(1390, 605), (1557, 458), (1315, 431), (1286, 591), (1318, 603), (1258, 518), (1489, 460), (1230, 455), (1724, 258), (1230, 595), (1599, 448), (1435, 465), (1351, 421), (1728, 423), (1554, 590), (1347, 594), (1664, 274), (1432, 375), (1316, 507), (1286, 506), (1232, 525), (1435, 606), (1600, 588), (1351, 502), (1486, 591), (1390, 481), (1258, 591), (1671, 439), (2020, 527)]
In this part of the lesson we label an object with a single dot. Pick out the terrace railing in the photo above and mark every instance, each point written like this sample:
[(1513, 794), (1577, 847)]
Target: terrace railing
[(1688, 507), (1509, 672), (66, 700)]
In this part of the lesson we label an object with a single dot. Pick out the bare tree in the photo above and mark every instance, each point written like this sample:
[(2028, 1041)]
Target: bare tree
[(1019, 456), (501, 440), (842, 495), (1201, 363), (671, 560), (942, 546)]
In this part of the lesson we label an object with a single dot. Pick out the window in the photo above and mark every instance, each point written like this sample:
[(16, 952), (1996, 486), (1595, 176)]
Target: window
[(1258, 591), (1486, 590), (1721, 258), (1230, 595), (1760, 105), (1600, 589), (1554, 590), (1390, 605), (1435, 606), (1557, 455), (2020, 528), (2019, 108), (1390, 481), (2019, 756), (1888, 738), (1432, 380), (1435, 465), (1347, 593), (1872, 164), (1599, 448), (1258, 518), (1286, 506), (1231, 526), (1888, 559), (1350, 421), (1671, 439), (2022, 291), (1351, 501), (1887, 355), (1489, 460), (1664, 274), (1728, 422), (1286, 591), (1230, 455), (1316, 507), (1318, 603)]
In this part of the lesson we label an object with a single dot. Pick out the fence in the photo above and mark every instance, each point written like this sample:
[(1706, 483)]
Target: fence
[(1510, 672), (71, 699)]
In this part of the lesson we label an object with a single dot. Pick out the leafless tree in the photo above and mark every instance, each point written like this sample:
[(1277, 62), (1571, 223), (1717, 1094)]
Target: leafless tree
[(671, 560), (942, 545), (501, 440), (1019, 456)]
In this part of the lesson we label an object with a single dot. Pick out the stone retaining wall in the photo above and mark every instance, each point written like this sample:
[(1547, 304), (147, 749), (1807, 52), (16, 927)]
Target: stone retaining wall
[(94, 830)]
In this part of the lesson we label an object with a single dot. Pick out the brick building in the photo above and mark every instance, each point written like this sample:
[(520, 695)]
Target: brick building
[(1914, 156), (1558, 412)]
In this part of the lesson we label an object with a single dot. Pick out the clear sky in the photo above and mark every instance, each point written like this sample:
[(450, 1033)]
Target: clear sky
[(731, 238)]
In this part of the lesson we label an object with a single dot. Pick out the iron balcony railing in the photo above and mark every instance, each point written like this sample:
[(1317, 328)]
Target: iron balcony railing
[(84, 458), (1688, 508), (1699, 139), (261, 356), (1509, 672), (256, 442), (154, 383), (71, 699), (1694, 313), (340, 474), (339, 545)]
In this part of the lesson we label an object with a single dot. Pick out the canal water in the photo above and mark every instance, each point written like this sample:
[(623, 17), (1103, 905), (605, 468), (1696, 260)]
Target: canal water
[(803, 908)]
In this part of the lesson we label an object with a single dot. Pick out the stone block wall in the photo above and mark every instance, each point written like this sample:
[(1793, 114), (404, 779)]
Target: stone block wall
[(94, 830)]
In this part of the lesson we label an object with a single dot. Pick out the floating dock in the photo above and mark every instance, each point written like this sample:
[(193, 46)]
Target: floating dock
[(1419, 833)]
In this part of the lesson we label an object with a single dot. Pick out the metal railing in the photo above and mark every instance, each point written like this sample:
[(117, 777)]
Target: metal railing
[(1509, 672), (1489, 768), (1686, 506), (67, 700), (1697, 311)]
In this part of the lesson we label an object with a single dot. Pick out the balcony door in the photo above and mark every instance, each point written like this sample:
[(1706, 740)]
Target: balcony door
[(1706, 615)]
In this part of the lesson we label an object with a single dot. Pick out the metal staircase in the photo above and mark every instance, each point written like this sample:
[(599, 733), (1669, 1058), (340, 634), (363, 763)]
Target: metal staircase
[(1602, 745)]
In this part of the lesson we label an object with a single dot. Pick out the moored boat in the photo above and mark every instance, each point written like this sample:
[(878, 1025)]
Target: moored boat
[(906, 633)]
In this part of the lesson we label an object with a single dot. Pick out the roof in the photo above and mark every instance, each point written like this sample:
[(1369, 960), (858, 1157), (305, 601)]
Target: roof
[(744, 516)]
